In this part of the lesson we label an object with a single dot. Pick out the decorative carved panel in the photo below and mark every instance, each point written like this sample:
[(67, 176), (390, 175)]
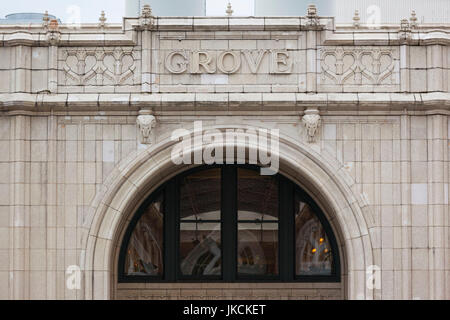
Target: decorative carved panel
[(359, 66), (99, 66)]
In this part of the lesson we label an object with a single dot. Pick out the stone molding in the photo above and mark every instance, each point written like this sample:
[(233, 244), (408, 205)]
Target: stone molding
[(125, 34), (228, 102)]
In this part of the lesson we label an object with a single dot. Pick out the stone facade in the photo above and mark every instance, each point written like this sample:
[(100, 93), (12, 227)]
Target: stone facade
[(364, 126)]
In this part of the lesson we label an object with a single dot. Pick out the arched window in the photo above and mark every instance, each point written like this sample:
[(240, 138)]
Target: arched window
[(229, 223)]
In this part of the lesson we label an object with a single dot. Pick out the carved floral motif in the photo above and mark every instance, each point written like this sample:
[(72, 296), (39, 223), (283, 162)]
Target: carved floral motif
[(358, 66), (99, 66)]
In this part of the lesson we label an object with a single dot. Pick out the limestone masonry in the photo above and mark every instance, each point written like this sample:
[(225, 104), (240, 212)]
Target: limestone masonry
[(85, 136)]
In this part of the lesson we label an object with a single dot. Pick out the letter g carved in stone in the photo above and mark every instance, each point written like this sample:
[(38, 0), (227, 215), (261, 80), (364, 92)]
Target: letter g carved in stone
[(312, 122), (146, 121)]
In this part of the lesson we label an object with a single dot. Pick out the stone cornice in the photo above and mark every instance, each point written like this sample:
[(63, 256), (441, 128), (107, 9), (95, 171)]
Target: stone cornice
[(125, 33), (229, 102)]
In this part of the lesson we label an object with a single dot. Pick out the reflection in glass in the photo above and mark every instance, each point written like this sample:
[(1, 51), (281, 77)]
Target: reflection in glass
[(257, 196), (200, 214), (145, 248), (257, 223), (312, 248), (200, 251), (258, 248), (200, 195)]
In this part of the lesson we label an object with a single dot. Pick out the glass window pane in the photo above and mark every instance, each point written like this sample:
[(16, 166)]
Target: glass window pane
[(200, 195), (257, 223), (200, 213), (145, 248), (257, 196), (312, 248), (200, 248), (258, 248)]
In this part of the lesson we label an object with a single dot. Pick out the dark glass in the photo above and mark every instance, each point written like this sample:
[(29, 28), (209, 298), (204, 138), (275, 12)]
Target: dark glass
[(257, 249), (312, 248), (200, 249), (257, 196), (200, 214), (183, 235), (257, 224), (145, 249)]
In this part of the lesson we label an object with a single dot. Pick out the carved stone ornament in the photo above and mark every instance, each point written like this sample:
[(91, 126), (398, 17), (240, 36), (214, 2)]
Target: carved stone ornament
[(312, 22), (405, 31), (100, 66), (229, 10), (312, 121), (146, 121), (45, 20), (53, 35), (413, 20), (102, 20), (358, 66), (146, 20), (356, 20)]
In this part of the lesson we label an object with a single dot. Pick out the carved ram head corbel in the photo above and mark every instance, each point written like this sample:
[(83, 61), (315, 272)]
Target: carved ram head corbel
[(146, 121), (312, 121)]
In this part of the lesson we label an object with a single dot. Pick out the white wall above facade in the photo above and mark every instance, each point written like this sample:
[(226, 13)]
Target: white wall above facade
[(370, 11), (388, 11), (167, 7)]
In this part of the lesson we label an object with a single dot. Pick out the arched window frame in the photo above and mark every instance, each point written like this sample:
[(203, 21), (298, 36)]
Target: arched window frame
[(286, 239)]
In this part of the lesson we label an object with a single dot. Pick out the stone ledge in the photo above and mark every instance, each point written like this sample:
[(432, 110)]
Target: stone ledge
[(212, 101), (232, 285)]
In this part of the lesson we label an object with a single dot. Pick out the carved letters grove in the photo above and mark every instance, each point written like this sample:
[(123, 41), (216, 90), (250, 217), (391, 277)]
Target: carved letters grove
[(227, 62)]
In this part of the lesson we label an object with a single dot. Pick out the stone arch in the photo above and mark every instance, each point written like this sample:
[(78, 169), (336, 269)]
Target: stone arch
[(138, 175)]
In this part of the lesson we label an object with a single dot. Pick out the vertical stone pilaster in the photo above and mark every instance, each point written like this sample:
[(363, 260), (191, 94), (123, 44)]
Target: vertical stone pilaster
[(19, 209), (445, 68), (146, 41), (405, 165), (404, 68), (437, 208), (51, 206), (53, 69), (447, 212), (311, 61)]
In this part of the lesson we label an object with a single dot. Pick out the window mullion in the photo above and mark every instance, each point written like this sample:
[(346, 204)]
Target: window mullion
[(229, 222), (286, 234), (171, 228)]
